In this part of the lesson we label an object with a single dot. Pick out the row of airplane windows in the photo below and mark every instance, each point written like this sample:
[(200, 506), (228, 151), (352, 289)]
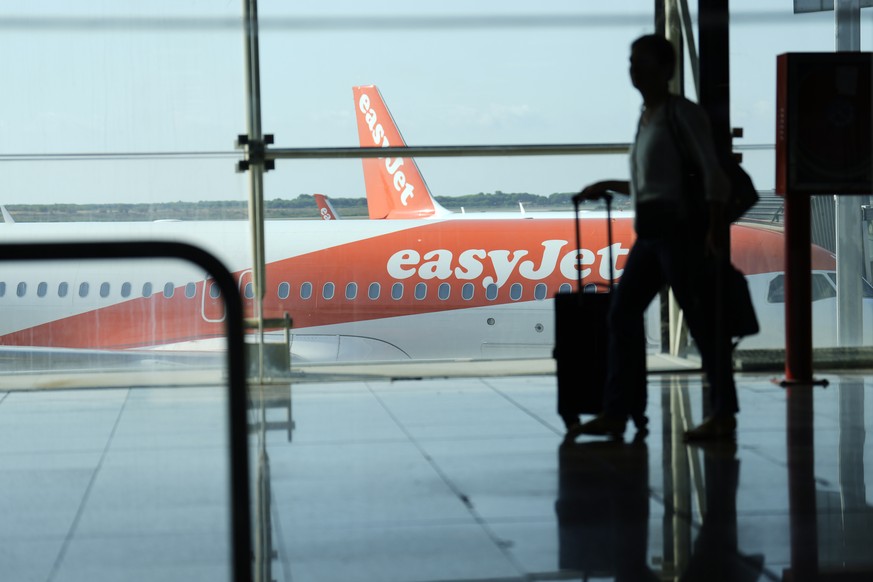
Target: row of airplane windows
[(283, 291)]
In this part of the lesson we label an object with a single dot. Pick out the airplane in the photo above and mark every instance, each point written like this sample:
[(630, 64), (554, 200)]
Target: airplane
[(325, 208), (5, 214), (451, 286)]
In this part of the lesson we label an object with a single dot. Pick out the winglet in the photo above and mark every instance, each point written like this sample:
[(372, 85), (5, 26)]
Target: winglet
[(325, 208), (395, 187), (7, 218)]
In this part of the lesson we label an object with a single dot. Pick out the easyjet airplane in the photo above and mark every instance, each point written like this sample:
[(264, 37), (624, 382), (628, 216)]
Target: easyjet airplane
[(452, 286), (325, 208)]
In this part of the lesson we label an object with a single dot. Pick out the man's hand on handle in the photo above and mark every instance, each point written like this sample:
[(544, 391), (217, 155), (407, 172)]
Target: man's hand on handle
[(601, 189)]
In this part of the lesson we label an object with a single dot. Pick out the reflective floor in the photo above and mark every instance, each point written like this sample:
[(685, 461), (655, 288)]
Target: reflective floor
[(436, 480)]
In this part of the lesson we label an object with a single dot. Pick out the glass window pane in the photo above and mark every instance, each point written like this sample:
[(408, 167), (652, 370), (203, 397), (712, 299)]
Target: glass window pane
[(444, 291), (467, 291), (420, 291), (351, 291), (284, 290), (397, 291), (540, 291), (306, 290), (515, 291), (328, 290), (373, 291)]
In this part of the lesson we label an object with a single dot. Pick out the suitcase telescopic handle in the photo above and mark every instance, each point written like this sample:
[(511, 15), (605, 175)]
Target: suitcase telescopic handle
[(607, 197)]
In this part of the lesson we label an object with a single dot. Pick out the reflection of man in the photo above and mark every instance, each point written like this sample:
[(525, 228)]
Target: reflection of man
[(603, 509), (677, 223), (715, 555)]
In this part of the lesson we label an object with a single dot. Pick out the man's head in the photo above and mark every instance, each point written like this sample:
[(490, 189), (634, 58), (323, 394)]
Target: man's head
[(652, 62)]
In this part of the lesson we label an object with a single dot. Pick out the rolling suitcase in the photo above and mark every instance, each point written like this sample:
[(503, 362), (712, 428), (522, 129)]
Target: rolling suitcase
[(581, 338)]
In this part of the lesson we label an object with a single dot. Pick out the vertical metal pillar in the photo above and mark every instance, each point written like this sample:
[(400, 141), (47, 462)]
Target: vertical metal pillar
[(677, 331), (798, 290), (848, 208), (715, 98), (255, 149)]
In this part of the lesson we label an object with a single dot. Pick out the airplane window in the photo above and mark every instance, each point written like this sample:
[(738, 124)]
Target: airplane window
[(41, 289), (327, 290), (565, 288), (397, 291), (776, 292), (249, 290), (214, 290), (444, 291), (22, 289), (63, 289), (589, 288), (540, 291), (866, 288), (467, 291), (515, 291), (83, 289), (306, 290), (351, 291), (190, 290), (168, 290), (373, 291), (125, 289), (420, 290), (821, 287), (284, 290), (104, 290), (2, 289), (147, 290), (491, 292)]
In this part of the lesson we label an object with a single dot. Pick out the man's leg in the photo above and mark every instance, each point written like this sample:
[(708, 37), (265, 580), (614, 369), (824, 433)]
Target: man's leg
[(686, 273), (626, 379)]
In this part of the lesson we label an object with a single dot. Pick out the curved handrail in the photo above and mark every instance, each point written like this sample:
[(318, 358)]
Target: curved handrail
[(241, 540)]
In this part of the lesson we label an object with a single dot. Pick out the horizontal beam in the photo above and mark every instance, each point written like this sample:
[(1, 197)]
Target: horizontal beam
[(446, 151)]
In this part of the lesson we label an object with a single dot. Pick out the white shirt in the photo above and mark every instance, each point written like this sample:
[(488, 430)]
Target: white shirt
[(656, 162)]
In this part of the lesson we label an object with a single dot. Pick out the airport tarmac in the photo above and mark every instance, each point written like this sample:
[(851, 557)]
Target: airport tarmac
[(435, 479)]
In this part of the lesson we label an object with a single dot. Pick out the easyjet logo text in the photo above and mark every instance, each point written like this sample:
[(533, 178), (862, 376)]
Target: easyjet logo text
[(501, 264), (393, 165)]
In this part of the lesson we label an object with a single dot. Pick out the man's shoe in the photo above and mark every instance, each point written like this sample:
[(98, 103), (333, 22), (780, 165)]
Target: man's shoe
[(603, 425), (714, 428)]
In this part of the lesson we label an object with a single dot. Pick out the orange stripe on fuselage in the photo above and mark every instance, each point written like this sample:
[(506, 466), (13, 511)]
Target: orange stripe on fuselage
[(499, 252)]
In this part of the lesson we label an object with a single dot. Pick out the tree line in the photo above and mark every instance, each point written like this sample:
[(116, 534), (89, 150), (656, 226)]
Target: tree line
[(301, 207)]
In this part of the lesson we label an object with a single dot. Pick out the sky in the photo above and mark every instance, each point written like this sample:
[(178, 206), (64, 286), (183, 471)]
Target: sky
[(78, 78)]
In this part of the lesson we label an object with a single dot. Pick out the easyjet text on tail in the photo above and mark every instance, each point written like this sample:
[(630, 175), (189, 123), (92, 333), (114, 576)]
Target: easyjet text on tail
[(394, 186)]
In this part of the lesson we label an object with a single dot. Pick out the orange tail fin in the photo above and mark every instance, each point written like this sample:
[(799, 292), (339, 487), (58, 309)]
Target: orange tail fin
[(325, 208), (395, 187)]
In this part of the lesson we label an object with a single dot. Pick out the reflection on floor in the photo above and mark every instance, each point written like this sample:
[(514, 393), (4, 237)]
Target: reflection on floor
[(435, 480)]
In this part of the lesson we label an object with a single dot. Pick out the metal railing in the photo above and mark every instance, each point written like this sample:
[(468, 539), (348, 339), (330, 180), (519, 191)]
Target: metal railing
[(241, 535)]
